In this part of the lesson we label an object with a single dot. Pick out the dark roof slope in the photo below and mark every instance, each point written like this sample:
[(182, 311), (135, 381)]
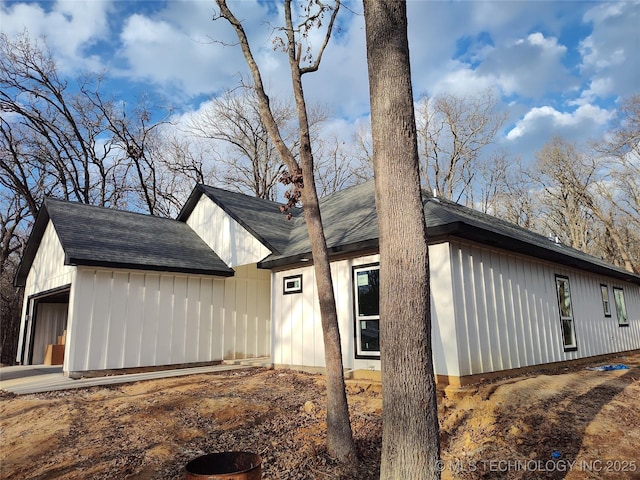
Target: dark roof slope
[(448, 218), (351, 225), (96, 236), (262, 218)]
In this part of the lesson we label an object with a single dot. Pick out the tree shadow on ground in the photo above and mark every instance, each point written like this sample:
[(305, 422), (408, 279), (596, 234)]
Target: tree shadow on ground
[(552, 440), (535, 428)]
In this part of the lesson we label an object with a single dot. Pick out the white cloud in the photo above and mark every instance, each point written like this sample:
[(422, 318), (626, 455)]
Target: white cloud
[(461, 80), (181, 46), (530, 67), (547, 119), (610, 53), (71, 28), (526, 50)]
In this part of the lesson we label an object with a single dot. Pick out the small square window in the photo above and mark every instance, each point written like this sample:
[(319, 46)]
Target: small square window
[(621, 308), (292, 284), (605, 300)]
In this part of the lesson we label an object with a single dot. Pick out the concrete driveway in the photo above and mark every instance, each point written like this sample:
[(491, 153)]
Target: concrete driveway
[(23, 380)]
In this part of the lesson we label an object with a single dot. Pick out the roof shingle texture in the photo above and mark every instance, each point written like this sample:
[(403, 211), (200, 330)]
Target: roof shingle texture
[(262, 218), (104, 236), (349, 217)]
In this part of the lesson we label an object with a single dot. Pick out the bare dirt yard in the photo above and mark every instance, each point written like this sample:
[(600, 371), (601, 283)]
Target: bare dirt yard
[(567, 423)]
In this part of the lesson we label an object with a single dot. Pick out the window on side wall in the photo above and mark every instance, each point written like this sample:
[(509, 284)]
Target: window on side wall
[(292, 284), (621, 308), (566, 314), (606, 305), (366, 282)]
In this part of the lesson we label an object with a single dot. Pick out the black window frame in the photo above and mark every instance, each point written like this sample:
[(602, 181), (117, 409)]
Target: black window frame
[(563, 318), (605, 306), (624, 307), (291, 291), (359, 353)]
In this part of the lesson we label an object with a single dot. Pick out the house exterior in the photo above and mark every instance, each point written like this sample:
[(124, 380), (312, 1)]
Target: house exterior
[(503, 298), (130, 290)]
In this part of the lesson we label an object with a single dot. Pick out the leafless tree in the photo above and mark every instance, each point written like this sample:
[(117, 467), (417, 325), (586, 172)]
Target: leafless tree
[(491, 177), (621, 153), (585, 198), (133, 137), (452, 132), (410, 436), (336, 167), (362, 154), (302, 60), (181, 161), (251, 162), (564, 176), (13, 211), (515, 200), (63, 140), (71, 141)]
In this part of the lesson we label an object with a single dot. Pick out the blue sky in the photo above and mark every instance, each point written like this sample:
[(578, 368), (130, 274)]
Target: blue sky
[(558, 67)]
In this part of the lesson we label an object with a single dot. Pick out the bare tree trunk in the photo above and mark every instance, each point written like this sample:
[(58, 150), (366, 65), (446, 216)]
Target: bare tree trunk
[(410, 438), (340, 442)]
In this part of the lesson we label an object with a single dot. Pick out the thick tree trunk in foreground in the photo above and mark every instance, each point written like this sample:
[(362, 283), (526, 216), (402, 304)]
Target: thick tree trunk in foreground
[(410, 438)]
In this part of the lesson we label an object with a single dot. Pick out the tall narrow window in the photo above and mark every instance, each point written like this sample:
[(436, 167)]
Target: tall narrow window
[(367, 309), (566, 314), (621, 308), (605, 300)]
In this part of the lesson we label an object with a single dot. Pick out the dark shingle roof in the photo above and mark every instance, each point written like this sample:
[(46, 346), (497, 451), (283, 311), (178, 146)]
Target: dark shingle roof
[(96, 236), (351, 225), (262, 218), (448, 218), (107, 237)]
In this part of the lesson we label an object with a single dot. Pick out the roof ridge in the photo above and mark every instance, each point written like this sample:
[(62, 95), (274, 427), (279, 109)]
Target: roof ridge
[(253, 197), (78, 204)]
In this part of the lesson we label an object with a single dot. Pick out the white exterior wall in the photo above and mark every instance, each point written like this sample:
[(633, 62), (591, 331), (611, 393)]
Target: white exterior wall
[(507, 315), (230, 240), (490, 311), (48, 272), (297, 330), (123, 319), (247, 309), (444, 328), (128, 318)]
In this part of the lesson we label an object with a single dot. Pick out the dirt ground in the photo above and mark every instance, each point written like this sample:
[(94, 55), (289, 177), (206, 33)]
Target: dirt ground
[(568, 423)]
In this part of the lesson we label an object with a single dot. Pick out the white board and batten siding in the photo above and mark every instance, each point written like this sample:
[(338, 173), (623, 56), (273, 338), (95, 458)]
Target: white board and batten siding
[(507, 314), (48, 272), (246, 323), (230, 240), (125, 319), (120, 318), (297, 330), (247, 299), (491, 311)]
